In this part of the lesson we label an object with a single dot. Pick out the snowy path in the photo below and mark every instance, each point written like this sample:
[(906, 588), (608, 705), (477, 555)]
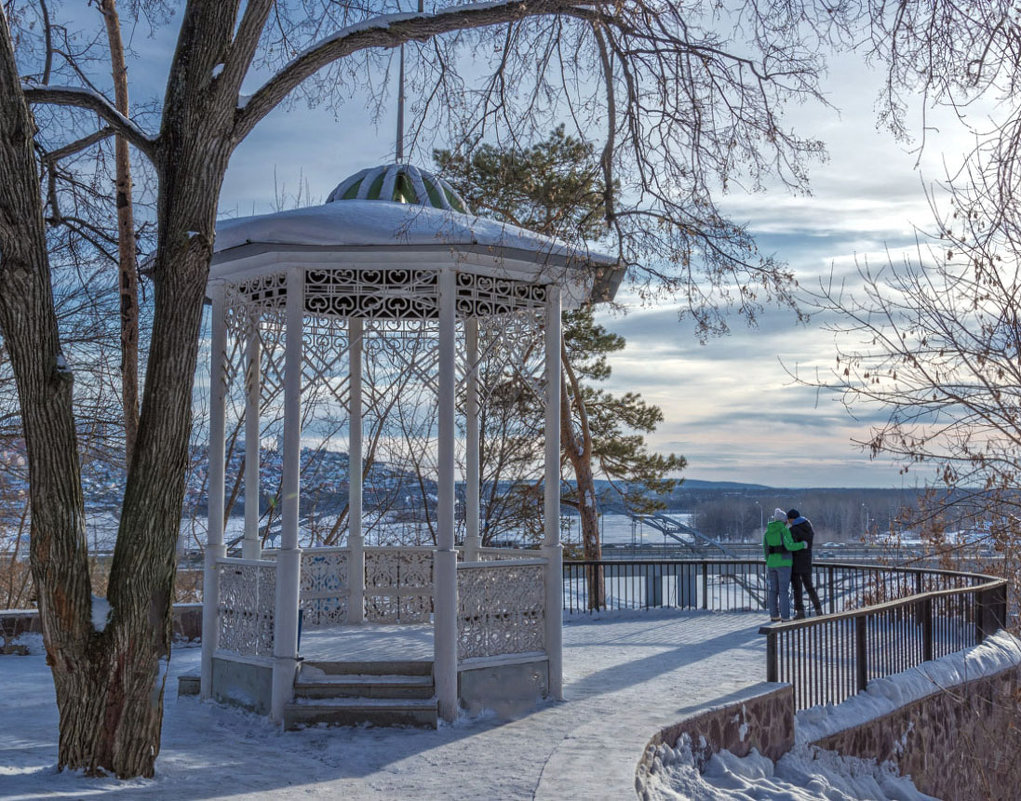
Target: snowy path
[(625, 677)]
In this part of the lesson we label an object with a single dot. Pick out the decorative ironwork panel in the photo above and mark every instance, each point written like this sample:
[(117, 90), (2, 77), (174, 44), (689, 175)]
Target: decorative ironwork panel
[(487, 296), (408, 347), (501, 609), (264, 292), (324, 587), (511, 355), (408, 293), (245, 607), (325, 368), (394, 293), (398, 585)]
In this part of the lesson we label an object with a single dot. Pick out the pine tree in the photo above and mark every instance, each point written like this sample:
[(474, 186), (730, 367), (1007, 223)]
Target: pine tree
[(554, 187)]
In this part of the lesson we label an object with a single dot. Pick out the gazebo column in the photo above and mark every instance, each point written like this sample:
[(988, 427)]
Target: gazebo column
[(285, 621), (472, 540), (215, 548), (552, 549), (251, 547), (445, 557), (355, 543)]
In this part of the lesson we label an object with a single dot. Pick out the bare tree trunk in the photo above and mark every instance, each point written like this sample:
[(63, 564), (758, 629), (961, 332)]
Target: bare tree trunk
[(28, 324), (126, 247), (110, 681), (578, 446)]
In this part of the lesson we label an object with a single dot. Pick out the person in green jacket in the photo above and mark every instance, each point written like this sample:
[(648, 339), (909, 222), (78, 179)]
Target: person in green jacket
[(777, 545)]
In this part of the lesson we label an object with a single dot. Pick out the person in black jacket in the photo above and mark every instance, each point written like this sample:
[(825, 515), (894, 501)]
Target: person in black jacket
[(801, 573)]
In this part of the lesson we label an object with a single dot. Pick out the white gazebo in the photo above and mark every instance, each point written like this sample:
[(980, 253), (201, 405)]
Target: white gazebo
[(392, 256)]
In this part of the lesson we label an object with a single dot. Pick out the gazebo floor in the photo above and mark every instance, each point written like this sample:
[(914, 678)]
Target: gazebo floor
[(369, 642)]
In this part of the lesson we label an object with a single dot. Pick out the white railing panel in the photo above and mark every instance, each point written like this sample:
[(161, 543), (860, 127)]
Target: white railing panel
[(325, 590), (245, 609), (501, 608), (398, 585)]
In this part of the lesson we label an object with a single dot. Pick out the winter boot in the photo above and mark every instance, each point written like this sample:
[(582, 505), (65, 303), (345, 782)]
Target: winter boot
[(799, 615)]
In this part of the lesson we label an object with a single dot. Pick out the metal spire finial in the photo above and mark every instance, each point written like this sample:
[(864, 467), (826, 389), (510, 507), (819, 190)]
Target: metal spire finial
[(399, 149)]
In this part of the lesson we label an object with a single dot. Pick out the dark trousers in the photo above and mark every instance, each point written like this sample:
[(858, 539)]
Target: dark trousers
[(799, 580)]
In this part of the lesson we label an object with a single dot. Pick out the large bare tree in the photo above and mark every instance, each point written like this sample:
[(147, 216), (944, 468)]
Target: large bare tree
[(689, 102), (928, 343)]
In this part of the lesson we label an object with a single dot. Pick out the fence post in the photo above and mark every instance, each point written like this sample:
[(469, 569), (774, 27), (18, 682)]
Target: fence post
[(927, 621), (861, 651), (772, 662), (1000, 606), (653, 586), (990, 611), (705, 585), (980, 609), (832, 600)]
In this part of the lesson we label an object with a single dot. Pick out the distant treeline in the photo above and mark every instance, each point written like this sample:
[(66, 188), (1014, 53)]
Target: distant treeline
[(841, 515)]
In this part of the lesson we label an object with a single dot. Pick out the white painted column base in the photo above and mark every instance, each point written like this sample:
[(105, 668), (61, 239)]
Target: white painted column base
[(356, 580), (555, 618), (285, 624), (210, 623), (445, 632)]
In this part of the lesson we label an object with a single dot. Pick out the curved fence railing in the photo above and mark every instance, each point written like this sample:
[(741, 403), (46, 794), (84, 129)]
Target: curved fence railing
[(878, 619)]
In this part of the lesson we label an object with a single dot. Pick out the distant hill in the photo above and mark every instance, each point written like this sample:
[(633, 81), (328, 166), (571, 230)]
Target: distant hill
[(696, 484)]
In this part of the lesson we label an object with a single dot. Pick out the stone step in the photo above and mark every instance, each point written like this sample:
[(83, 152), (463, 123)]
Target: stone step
[(188, 685), (316, 684), (356, 711), (375, 668)]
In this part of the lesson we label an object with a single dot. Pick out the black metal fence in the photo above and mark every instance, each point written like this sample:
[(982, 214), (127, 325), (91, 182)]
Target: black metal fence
[(879, 620), (714, 584)]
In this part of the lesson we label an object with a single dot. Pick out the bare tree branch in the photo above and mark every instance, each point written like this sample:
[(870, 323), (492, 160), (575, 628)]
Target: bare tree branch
[(92, 101)]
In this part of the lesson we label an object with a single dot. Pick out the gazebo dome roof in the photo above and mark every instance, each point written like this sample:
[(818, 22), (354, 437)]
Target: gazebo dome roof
[(397, 217), (399, 183)]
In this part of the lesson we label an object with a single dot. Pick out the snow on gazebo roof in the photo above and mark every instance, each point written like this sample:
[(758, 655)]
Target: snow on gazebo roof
[(368, 223)]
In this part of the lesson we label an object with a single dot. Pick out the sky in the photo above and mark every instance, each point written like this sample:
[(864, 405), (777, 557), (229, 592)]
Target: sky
[(626, 676), (730, 406)]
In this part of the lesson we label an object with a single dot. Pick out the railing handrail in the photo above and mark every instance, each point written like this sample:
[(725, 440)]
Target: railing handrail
[(538, 560), (827, 657), (237, 560), (929, 571), (883, 606)]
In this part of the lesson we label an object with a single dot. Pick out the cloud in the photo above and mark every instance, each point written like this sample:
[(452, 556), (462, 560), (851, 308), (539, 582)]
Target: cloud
[(730, 406)]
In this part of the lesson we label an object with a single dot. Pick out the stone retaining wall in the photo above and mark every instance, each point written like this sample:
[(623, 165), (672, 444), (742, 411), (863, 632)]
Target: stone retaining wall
[(958, 743), (763, 719), (187, 622)]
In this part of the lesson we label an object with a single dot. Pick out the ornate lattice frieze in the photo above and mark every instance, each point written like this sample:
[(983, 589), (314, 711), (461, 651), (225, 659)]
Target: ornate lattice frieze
[(501, 609), (487, 296), (245, 606), (263, 292), (325, 590), (394, 293), (398, 585), (391, 293)]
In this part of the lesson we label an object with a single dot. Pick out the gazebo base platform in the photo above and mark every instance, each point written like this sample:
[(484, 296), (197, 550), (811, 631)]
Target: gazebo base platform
[(380, 675)]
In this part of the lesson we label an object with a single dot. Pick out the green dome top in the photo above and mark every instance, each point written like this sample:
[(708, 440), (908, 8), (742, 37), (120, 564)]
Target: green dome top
[(399, 183)]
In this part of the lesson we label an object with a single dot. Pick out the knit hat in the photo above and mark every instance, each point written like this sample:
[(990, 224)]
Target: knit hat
[(792, 514), (779, 514)]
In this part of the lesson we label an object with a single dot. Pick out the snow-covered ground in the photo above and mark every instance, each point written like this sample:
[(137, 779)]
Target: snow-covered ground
[(626, 675)]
